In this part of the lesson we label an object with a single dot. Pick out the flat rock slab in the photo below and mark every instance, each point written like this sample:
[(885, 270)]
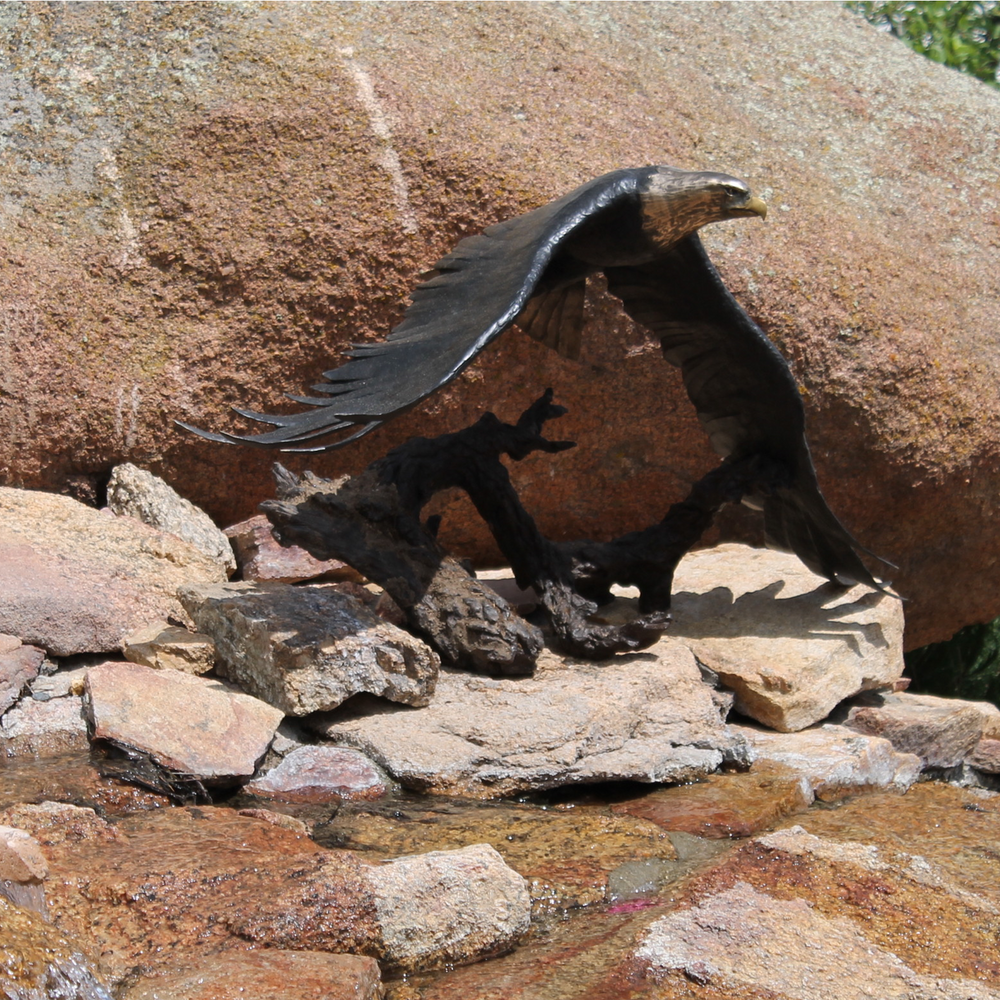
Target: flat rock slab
[(837, 761), (191, 725), (643, 717), (76, 580), (940, 731), (320, 774), (790, 645), (744, 937), (135, 492), (307, 649), (271, 973), (262, 558)]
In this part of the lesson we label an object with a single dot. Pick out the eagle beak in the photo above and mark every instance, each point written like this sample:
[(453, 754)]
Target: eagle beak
[(753, 206)]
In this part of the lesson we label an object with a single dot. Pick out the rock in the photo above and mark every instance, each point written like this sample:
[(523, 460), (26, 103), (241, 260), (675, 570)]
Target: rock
[(55, 824), (277, 889), (134, 492), (18, 668), (8, 643), (276, 818), (44, 728), (200, 271), (75, 580), (39, 963), (788, 644), (744, 937), (320, 774), (63, 682), (488, 908), (836, 761), (306, 649), (272, 973), (262, 558), (726, 805), (198, 727), (940, 731), (985, 756), (21, 859), (645, 717), (163, 646)]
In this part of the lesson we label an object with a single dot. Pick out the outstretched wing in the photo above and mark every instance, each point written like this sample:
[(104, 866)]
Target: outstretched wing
[(744, 394), (477, 291)]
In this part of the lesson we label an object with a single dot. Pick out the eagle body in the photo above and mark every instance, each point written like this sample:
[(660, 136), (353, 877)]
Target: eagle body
[(639, 228)]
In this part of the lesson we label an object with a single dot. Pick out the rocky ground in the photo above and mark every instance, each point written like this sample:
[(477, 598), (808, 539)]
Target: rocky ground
[(266, 786)]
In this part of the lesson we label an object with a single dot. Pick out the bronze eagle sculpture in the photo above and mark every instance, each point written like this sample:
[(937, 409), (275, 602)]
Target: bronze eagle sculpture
[(639, 227)]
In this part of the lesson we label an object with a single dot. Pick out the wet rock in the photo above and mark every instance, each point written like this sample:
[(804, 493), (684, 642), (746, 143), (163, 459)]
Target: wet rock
[(192, 725), (44, 728), (163, 646), (645, 717), (21, 859), (940, 731), (744, 937), (306, 649), (18, 667), (76, 580), (262, 558), (727, 805), (320, 774), (276, 890), (789, 645), (39, 963), (135, 492), (57, 823), (272, 973), (837, 761), (276, 818), (488, 908)]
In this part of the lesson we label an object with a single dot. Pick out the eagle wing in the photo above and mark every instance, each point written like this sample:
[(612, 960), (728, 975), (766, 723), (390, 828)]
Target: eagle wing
[(744, 394), (475, 293)]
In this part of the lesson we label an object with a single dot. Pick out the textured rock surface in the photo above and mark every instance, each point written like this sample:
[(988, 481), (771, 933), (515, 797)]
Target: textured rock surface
[(643, 717), (162, 646), (21, 859), (261, 557), (18, 668), (76, 580), (277, 890), (320, 774), (309, 649), (486, 906), (39, 963), (940, 731), (836, 761), (985, 756), (44, 728), (136, 492), (211, 224), (275, 974), (744, 937), (788, 644), (192, 725)]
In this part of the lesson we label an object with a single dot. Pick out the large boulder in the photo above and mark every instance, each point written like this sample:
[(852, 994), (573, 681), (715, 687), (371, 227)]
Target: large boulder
[(206, 207)]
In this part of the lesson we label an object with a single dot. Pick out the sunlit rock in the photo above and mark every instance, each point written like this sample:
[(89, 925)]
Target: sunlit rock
[(790, 645), (161, 645), (307, 649), (135, 492), (76, 580), (320, 774)]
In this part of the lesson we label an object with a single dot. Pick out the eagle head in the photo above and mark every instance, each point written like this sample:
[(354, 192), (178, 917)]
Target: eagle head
[(677, 202)]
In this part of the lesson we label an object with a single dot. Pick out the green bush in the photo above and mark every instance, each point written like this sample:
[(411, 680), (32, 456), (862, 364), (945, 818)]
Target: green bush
[(964, 35)]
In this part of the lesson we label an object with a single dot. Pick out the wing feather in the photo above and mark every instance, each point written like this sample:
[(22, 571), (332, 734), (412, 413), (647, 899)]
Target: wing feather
[(745, 396), (474, 293)]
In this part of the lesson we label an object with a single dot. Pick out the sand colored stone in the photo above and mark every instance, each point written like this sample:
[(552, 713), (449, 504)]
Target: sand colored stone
[(787, 643), (161, 645), (76, 580)]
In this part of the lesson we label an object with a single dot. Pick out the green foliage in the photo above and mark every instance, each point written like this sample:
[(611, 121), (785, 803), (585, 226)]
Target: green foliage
[(966, 666), (964, 34)]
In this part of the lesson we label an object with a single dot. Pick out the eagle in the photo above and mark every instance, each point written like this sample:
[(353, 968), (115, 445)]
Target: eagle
[(639, 228)]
